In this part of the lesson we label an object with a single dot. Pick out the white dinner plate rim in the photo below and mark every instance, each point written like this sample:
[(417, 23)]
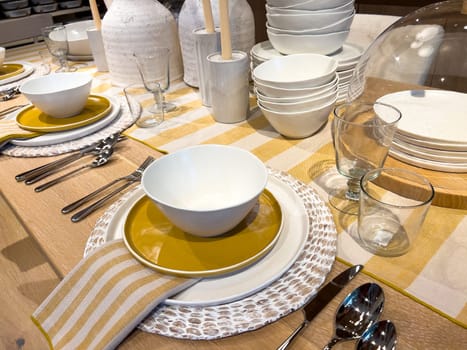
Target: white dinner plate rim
[(28, 70), (414, 151), (68, 135), (428, 164), (444, 146), (412, 125), (201, 294)]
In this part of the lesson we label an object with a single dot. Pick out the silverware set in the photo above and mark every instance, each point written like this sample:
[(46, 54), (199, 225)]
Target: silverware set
[(102, 152), (356, 317)]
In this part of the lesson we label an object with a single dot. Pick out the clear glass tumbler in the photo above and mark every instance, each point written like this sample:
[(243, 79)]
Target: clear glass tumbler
[(393, 206)]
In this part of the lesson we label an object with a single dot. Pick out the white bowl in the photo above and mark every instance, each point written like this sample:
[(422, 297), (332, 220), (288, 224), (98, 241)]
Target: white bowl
[(311, 43), (300, 124), (292, 99), (282, 10), (299, 106), (78, 43), (273, 91), (60, 95), (316, 4), (205, 190), (306, 21), (282, 3), (296, 71), (340, 25)]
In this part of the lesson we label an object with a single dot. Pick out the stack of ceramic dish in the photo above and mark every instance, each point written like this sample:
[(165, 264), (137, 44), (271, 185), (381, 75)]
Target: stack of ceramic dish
[(262, 52), (347, 58), (308, 26), (296, 92), (78, 43), (431, 132)]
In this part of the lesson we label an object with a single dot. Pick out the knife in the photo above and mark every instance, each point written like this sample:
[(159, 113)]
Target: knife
[(321, 299)]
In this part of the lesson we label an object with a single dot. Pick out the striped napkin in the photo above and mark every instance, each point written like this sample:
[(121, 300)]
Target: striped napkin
[(103, 299)]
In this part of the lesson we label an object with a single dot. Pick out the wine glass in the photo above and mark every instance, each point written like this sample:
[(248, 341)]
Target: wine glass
[(362, 134), (154, 67), (55, 38)]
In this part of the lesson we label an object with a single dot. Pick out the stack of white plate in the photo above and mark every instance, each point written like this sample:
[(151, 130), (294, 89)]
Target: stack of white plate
[(296, 92), (347, 58), (432, 131), (262, 52), (308, 26)]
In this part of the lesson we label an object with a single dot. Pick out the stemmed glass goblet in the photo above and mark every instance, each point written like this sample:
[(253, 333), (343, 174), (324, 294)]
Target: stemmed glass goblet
[(362, 134), (146, 108), (154, 67), (56, 39)]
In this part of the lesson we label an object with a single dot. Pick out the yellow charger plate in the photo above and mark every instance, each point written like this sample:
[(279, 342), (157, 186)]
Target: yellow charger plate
[(33, 119), (9, 70), (157, 243)]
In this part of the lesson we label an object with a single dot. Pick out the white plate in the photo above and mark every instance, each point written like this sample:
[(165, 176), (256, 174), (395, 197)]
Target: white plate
[(264, 51), (444, 146), (347, 56), (429, 164), (63, 136), (430, 154), (431, 115), (28, 70), (214, 291)]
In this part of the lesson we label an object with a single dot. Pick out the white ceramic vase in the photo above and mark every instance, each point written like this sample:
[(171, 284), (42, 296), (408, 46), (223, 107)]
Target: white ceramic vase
[(133, 27), (242, 29)]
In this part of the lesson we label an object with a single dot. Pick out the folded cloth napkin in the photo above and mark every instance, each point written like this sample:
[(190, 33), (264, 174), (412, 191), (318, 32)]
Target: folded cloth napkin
[(103, 299)]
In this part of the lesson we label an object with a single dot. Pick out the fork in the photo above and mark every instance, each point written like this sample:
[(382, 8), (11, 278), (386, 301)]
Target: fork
[(130, 179)]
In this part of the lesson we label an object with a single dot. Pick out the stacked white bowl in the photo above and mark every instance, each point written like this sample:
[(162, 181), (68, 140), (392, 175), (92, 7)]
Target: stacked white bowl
[(308, 26), (296, 92)]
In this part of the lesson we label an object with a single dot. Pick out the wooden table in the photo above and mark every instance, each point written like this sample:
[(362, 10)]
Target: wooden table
[(40, 245)]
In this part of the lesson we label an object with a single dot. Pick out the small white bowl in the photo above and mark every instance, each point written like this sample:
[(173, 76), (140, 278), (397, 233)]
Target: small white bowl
[(78, 43), (293, 99), (340, 25), (206, 190), (350, 5), (296, 71), (300, 124), (316, 4), (299, 106), (311, 43), (273, 91), (59, 95), (306, 21)]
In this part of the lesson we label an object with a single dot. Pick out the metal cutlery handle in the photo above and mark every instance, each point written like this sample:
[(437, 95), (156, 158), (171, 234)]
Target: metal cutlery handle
[(59, 179), (70, 207), (27, 175), (294, 334), (89, 210)]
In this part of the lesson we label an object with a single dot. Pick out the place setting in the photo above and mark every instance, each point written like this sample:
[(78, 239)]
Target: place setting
[(61, 120), (285, 233)]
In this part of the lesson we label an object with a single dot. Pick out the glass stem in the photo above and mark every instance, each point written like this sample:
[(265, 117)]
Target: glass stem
[(353, 191)]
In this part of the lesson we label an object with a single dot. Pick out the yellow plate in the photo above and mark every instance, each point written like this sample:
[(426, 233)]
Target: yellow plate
[(33, 119), (157, 243), (9, 70)]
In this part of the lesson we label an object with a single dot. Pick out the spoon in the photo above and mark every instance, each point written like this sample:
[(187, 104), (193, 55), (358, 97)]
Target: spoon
[(100, 160), (380, 336), (358, 311)]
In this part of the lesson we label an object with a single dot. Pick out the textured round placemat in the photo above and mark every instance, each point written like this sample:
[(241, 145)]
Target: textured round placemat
[(283, 296), (122, 122)]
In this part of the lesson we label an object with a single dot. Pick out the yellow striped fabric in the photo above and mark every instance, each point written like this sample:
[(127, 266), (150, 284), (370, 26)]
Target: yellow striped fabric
[(103, 299)]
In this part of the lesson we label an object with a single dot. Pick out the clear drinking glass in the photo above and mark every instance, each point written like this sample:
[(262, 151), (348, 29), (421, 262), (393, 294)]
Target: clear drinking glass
[(154, 67), (55, 38), (146, 106), (362, 135), (393, 206)]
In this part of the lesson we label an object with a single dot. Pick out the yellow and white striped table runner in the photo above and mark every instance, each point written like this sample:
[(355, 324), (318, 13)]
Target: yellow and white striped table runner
[(433, 272)]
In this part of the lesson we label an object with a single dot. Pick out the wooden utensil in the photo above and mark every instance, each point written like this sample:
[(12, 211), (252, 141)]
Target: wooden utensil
[(95, 14), (208, 19), (226, 42)]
